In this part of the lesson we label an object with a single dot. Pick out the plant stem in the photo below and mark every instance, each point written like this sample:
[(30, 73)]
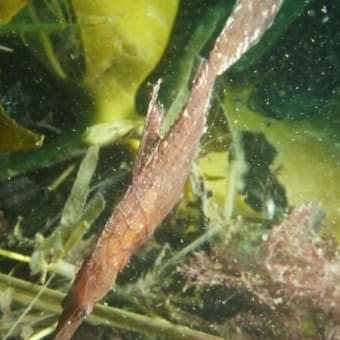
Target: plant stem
[(50, 300)]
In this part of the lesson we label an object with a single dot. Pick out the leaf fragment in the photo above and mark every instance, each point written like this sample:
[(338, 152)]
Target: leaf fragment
[(14, 137)]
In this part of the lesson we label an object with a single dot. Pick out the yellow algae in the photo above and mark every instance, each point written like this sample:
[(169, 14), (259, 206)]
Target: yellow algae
[(122, 41), (9, 8), (14, 137), (309, 161), (219, 180)]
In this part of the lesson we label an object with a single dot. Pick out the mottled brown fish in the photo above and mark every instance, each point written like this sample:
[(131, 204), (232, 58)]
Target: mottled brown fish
[(161, 167)]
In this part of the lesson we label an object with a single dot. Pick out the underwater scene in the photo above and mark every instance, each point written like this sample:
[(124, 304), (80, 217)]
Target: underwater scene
[(169, 169)]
